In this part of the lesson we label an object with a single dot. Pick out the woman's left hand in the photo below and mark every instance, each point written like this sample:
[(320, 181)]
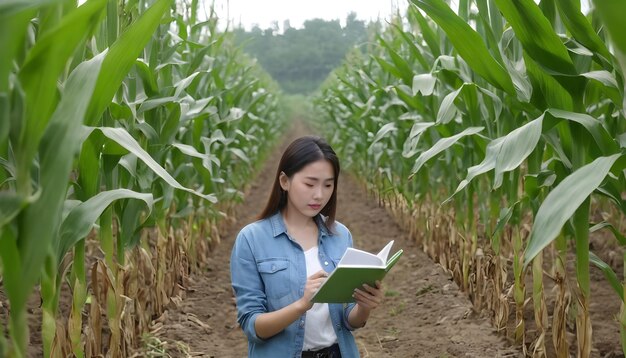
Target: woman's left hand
[(369, 297)]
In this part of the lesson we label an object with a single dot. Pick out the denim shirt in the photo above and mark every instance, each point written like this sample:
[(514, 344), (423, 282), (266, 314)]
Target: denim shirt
[(268, 272)]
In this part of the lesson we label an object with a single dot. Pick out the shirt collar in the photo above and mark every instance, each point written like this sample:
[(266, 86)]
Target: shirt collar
[(278, 225)]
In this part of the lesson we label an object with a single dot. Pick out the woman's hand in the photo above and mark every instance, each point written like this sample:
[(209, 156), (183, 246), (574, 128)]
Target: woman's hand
[(366, 299), (313, 284), (270, 323), (369, 297)]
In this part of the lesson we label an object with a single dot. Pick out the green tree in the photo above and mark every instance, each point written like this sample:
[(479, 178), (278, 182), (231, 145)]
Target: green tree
[(301, 59)]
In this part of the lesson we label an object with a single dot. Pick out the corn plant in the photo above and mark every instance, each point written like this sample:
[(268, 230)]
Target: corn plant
[(537, 114), (110, 118)]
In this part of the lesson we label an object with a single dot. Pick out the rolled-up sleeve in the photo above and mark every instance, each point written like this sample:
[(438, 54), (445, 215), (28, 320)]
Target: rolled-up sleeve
[(248, 287), (346, 313)]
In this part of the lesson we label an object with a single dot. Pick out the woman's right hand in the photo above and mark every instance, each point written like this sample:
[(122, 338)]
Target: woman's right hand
[(313, 283)]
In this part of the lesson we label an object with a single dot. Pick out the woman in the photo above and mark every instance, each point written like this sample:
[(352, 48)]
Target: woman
[(279, 261)]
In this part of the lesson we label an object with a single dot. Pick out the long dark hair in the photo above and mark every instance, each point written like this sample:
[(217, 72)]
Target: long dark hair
[(300, 153)]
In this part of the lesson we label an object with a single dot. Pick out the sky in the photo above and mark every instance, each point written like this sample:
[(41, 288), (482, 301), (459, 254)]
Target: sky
[(264, 12)]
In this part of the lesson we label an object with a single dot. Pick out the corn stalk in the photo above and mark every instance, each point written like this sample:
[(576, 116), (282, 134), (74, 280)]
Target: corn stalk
[(503, 89)]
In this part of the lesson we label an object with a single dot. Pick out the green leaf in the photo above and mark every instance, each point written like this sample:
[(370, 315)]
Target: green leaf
[(563, 201), (59, 146), (541, 42), (12, 264), (10, 205), (240, 154), (580, 28), (383, 132), (516, 147), (82, 217), (125, 140), (503, 218), (411, 43), (429, 35), (40, 74), (488, 163), (14, 22), (12, 7), (612, 13), (424, 83), (440, 146), (447, 110), (601, 136), (468, 43), (547, 91), (148, 78), (609, 274), (404, 69), (122, 56), (410, 145), (618, 235), (192, 152)]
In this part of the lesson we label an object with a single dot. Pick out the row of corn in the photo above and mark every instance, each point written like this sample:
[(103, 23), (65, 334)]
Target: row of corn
[(127, 131), (495, 130)]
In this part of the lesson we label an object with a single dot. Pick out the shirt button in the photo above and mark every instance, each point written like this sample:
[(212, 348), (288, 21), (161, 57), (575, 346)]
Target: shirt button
[(302, 323), (326, 263)]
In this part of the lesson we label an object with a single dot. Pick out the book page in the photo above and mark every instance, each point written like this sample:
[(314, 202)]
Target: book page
[(384, 253), (356, 257)]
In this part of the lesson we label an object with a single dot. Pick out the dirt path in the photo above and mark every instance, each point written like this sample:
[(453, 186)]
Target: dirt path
[(424, 315)]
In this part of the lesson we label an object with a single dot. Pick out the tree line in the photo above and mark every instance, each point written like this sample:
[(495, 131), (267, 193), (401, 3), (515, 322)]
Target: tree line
[(301, 59)]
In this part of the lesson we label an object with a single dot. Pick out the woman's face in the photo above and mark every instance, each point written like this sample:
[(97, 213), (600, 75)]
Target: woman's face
[(309, 189)]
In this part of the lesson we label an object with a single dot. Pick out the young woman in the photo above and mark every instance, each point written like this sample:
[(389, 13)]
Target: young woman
[(279, 261)]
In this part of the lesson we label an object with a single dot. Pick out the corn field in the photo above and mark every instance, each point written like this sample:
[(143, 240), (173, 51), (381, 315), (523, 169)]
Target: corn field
[(127, 128), (494, 130)]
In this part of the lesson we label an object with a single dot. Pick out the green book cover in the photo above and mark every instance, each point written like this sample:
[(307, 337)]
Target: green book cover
[(354, 269)]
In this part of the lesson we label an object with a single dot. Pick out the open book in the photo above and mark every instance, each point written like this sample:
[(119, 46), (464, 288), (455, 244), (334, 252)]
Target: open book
[(355, 268)]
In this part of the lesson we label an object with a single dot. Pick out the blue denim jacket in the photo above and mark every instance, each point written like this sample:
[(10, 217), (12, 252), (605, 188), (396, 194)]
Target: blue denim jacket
[(268, 272)]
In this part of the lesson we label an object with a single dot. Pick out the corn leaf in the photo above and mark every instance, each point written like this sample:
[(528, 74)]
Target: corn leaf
[(428, 34), (383, 132), (12, 264), (10, 205), (618, 235), (580, 28), (13, 25), (58, 148), (440, 146), (468, 43), (609, 274), (488, 163), (516, 147), (612, 14), (122, 56), (121, 137), (563, 201), (541, 42), (83, 216), (43, 65)]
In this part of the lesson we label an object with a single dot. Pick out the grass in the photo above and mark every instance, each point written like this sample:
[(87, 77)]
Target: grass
[(396, 310)]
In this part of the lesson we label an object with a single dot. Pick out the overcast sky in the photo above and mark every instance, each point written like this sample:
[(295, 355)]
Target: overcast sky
[(264, 12)]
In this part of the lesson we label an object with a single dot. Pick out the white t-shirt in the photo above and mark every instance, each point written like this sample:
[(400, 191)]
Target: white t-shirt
[(318, 328)]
